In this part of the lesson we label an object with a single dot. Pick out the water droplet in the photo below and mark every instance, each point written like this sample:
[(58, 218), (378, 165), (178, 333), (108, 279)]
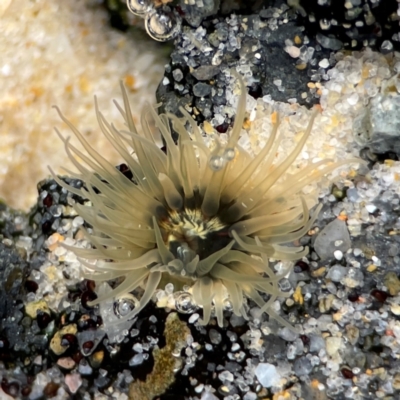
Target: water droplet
[(325, 24), (163, 24), (184, 302), (228, 305), (216, 163), (386, 46), (124, 305), (229, 154), (139, 7)]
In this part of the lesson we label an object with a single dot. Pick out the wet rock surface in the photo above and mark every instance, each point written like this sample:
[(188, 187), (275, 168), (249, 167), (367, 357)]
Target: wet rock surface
[(64, 347), (344, 298), (261, 47)]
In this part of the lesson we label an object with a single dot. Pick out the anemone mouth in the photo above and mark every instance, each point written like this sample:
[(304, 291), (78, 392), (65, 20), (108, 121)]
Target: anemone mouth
[(189, 233), (207, 216)]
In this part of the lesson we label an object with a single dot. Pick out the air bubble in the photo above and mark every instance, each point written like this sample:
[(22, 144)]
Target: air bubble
[(227, 304), (325, 24), (216, 163), (184, 302), (124, 305), (139, 7), (229, 154), (163, 24)]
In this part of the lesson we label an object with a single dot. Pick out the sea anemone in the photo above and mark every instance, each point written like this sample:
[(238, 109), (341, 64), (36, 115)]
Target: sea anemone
[(205, 216)]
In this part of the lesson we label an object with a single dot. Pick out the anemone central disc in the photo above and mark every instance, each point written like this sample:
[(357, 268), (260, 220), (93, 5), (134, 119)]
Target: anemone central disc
[(188, 233)]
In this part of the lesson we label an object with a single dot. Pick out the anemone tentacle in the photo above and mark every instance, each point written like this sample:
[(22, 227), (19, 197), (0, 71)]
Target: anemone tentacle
[(204, 215)]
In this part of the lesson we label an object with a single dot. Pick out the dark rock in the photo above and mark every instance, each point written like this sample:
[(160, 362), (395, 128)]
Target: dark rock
[(253, 44), (13, 272), (378, 127), (205, 72)]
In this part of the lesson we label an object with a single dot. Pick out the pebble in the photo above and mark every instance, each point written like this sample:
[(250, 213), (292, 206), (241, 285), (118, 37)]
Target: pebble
[(77, 221), (208, 396), (138, 347), (225, 376), (38, 360), (287, 334), (55, 343), (84, 367), (354, 278), (393, 250), (97, 358), (317, 343), (193, 318), (352, 195), (66, 363), (73, 381), (24, 242), (396, 381), (235, 347), (333, 344), (201, 89), (199, 388), (215, 336), (352, 334), (5, 396), (370, 208), (336, 273), (89, 340), (293, 51), (236, 321), (267, 374), (137, 359), (333, 232), (177, 74), (395, 309), (205, 72), (329, 42), (302, 366), (250, 396), (324, 63), (338, 255)]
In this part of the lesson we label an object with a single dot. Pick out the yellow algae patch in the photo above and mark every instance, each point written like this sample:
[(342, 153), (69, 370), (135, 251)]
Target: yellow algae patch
[(165, 364), (33, 307), (55, 344), (298, 296)]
